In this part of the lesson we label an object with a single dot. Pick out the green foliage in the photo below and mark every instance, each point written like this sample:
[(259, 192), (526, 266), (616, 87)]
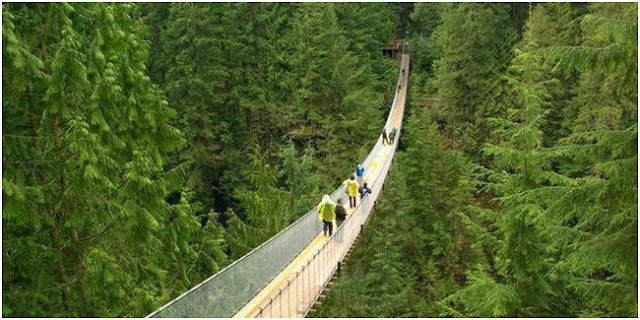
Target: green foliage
[(416, 249), (116, 201), (426, 18), (111, 192), (474, 41), (552, 230), (86, 139), (298, 174), (568, 240), (598, 239), (482, 297), (290, 71), (263, 204)]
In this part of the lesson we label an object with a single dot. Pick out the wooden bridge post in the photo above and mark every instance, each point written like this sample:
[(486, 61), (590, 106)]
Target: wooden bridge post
[(280, 302)]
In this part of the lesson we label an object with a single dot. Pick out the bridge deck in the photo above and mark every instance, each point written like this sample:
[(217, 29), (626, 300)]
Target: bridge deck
[(288, 274)]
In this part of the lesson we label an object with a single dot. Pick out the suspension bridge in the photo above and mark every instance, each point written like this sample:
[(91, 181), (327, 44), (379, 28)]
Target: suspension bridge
[(284, 276)]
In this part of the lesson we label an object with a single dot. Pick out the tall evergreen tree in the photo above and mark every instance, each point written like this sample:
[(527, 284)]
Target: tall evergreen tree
[(559, 139), (195, 81), (546, 212), (519, 164), (417, 249), (334, 95), (425, 19), (85, 153), (596, 216), (475, 41)]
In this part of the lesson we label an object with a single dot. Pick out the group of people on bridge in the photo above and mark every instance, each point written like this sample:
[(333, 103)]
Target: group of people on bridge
[(330, 212), (390, 138)]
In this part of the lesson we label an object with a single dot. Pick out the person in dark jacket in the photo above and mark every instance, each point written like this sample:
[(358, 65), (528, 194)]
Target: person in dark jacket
[(393, 134), (364, 190), (341, 213), (384, 136)]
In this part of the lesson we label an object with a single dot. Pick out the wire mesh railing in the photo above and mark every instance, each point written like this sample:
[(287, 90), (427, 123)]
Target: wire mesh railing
[(226, 292)]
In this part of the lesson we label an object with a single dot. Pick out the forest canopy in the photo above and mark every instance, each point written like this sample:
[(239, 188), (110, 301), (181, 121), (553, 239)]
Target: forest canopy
[(146, 146), (516, 195)]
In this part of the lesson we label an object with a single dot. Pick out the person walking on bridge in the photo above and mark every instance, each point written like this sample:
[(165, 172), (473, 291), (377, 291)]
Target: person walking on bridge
[(364, 190), (359, 173), (392, 135), (352, 191), (384, 136), (327, 213), (341, 214)]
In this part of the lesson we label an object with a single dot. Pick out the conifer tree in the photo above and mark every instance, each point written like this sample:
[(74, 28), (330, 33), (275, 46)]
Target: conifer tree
[(195, 82), (86, 143), (334, 95), (474, 40), (595, 217), (519, 164), (303, 185), (261, 209), (558, 132), (438, 193), (425, 18), (546, 211)]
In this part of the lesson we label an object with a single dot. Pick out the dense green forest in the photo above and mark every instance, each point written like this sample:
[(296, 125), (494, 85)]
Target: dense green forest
[(146, 146), (515, 193)]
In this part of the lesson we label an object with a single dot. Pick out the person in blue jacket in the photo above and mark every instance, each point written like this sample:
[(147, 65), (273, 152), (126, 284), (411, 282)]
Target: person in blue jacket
[(359, 173)]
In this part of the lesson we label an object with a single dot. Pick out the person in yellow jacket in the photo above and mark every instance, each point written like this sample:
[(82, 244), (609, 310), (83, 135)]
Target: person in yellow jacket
[(327, 213), (352, 190)]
